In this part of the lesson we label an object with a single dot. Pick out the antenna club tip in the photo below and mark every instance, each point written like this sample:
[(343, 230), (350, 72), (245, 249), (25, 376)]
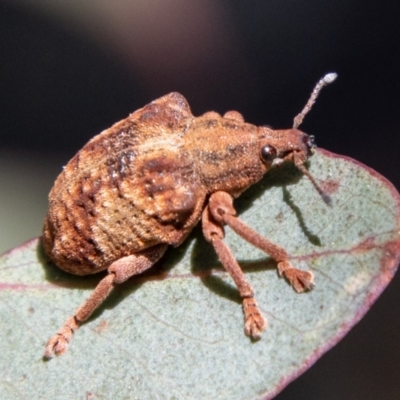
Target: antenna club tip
[(329, 78)]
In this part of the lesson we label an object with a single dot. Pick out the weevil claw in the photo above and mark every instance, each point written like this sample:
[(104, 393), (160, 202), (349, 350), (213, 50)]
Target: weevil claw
[(301, 281), (254, 321), (57, 345)]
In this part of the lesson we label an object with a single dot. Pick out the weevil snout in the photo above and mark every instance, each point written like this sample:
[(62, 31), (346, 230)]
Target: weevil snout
[(309, 141), (306, 144)]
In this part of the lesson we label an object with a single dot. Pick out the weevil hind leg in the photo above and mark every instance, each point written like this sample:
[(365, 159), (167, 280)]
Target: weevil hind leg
[(118, 272), (214, 233)]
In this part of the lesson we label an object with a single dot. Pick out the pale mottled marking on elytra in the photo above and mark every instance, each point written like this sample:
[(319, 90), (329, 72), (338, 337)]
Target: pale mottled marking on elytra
[(143, 184)]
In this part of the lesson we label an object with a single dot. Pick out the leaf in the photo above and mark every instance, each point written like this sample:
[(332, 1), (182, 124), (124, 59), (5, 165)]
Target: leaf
[(177, 331)]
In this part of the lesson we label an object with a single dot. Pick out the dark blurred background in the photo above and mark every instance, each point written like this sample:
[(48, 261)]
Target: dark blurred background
[(69, 69)]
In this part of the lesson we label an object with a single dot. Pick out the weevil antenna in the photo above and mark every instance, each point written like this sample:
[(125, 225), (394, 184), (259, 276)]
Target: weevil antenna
[(326, 80), (325, 197)]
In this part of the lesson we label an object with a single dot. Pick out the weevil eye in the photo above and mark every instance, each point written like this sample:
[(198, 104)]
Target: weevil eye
[(268, 153)]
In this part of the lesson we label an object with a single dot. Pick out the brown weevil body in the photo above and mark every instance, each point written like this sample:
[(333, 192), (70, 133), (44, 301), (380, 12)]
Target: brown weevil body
[(142, 185)]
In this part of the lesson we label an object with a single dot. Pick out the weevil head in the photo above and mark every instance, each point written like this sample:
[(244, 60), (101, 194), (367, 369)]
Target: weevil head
[(278, 146)]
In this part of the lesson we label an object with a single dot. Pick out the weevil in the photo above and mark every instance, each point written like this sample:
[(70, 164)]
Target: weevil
[(143, 184)]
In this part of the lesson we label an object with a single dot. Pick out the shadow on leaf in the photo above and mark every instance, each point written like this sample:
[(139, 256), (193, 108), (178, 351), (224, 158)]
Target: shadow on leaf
[(281, 176), (287, 198), (205, 264)]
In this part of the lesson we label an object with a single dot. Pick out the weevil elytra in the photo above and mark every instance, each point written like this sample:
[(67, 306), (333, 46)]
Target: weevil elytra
[(143, 184)]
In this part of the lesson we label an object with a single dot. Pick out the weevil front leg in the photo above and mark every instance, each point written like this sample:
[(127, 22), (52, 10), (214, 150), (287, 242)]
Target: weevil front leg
[(214, 233), (220, 211), (118, 272)]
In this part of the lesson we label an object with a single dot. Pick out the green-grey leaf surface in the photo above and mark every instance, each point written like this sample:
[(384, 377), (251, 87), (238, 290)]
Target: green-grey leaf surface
[(176, 332)]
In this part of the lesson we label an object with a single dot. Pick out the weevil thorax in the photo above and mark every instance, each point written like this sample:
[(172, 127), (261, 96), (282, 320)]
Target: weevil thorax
[(226, 152)]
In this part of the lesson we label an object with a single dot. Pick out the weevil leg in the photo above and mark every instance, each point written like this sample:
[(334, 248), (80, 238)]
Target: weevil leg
[(214, 233), (221, 207), (118, 272)]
